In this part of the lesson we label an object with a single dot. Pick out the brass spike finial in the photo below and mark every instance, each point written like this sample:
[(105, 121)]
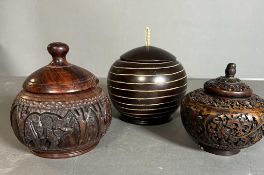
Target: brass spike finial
[(147, 36)]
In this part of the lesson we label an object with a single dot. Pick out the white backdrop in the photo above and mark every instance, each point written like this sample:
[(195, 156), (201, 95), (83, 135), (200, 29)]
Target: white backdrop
[(204, 34)]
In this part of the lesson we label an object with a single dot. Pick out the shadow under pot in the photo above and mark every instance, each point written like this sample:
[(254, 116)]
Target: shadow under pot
[(225, 116), (146, 85), (61, 111)]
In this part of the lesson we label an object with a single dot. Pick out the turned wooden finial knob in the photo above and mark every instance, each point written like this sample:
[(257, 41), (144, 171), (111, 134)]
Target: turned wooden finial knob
[(58, 51), (230, 70)]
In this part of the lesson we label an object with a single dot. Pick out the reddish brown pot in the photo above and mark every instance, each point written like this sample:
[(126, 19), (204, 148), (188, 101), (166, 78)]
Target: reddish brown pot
[(61, 111), (225, 116)]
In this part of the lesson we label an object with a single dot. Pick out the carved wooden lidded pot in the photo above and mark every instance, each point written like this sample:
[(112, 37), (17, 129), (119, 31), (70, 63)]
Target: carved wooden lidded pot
[(225, 116), (61, 111), (146, 85)]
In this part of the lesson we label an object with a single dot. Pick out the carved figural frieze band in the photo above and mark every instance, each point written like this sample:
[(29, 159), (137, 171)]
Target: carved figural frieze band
[(146, 85), (61, 112), (225, 116)]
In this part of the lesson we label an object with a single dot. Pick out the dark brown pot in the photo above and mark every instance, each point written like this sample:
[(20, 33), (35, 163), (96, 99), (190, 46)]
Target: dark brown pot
[(225, 116), (61, 112), (146, 85)]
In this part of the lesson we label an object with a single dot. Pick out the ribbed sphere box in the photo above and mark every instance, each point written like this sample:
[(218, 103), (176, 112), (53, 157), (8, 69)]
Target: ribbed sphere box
[(61, 111), (146, 85)]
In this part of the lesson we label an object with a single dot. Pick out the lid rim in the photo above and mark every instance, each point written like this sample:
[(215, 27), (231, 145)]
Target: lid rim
[(228, 85), (147, 54), (60, 76), (224, 93)]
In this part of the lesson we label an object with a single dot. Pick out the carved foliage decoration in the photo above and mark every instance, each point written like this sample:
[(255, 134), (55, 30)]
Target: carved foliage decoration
[(228, 84), (200, 96), (218, 128)]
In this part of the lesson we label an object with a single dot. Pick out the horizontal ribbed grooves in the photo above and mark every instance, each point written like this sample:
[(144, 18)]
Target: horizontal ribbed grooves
[(139, 69), (146, 79), (146, 95), (146, 90), (144, 86), (148, 101)]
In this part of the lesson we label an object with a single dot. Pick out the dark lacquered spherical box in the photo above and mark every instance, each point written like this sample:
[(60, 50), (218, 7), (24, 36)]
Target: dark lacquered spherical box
[(146, 85), (61, 111)]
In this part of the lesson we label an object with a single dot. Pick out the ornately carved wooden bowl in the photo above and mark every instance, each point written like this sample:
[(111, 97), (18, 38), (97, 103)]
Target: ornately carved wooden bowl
[(61, 112), (146, 85), (225, 116)]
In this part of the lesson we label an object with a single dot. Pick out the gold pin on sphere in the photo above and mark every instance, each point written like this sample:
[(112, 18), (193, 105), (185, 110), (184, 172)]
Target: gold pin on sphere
[(147, 36)]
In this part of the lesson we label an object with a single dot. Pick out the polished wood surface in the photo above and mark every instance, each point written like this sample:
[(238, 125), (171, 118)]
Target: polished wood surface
[(61, 125), (59, 76), (61, 112), (223, 123), (228, 85), (146, 85)]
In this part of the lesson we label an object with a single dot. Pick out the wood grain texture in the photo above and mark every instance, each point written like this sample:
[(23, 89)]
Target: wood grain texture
[(226, 118), (222, 124), (59, 76), (61, 112), (61, 125)]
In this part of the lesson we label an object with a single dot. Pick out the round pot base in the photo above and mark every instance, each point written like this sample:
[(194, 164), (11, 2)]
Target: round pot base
[(62, 155), (142, 121), (219, 151)]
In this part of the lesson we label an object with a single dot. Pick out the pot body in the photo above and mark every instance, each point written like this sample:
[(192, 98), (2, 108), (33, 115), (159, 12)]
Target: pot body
[(222, 125), (146, 93), (61, 125)]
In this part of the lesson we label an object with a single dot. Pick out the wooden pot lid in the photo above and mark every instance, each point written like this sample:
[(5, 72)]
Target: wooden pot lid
[(59, 76), (148, 54), (228, 85)]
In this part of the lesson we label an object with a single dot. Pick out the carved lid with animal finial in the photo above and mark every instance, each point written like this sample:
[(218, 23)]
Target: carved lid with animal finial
[(228, 85)]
